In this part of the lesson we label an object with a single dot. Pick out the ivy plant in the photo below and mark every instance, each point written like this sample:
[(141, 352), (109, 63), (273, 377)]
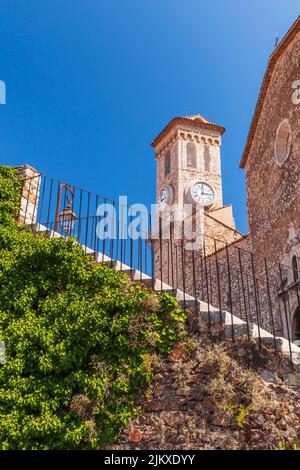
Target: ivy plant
[(79, 338)]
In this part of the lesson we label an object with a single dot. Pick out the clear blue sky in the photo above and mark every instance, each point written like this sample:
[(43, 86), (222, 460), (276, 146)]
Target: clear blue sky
[(91, 83)]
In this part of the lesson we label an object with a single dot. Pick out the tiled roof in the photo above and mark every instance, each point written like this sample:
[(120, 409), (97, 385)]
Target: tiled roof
[(198, 117), (211, 216), (195, 120), (288, 38), (229, 245)]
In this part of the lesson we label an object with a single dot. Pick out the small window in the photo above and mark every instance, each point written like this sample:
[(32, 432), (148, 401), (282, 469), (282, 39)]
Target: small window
[(295, 268), (296, 326), (167, 163), (206, 158), (283, 142), (191, 155)]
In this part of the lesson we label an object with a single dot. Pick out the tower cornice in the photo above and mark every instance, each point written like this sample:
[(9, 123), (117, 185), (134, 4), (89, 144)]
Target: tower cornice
[(192, 122)]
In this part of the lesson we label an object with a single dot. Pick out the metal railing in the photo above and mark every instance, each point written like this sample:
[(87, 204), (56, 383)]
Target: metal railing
[(227, 277)]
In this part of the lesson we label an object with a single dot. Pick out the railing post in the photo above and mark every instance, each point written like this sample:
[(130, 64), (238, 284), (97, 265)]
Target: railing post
[(218, 282), (230, 290), (160, 253), (131, 250), (256, 298), (34, 216), (152, 252), (49, 203), (112, 235), (41, 205), (103, 235), (86, 227), (141, 249), (285, 311), (183, 265), (194, 278), (97, 220), (243, 288), (172, 260), (206, 283), (79, 215), (270, 303)]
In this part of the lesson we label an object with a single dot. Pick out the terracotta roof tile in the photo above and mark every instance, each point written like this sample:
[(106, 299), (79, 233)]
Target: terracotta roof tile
[(196, 120)]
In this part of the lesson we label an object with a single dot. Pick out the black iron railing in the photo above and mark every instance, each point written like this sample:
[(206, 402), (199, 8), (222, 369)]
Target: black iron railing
[(225, 277)]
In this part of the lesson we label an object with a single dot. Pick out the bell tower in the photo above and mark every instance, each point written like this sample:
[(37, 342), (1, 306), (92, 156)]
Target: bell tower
[(189, 193), (188, 159)]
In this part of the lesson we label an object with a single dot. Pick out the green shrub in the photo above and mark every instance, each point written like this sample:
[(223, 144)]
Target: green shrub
[(10, 194), (239, 412), (79, 339), (283, 445)]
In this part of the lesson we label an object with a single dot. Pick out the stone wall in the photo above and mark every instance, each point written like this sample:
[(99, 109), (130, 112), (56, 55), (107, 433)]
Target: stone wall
[(212, 397), (273, 195), (182, 265), (273, 190), (234, 279), (247, 285), (30, 194)]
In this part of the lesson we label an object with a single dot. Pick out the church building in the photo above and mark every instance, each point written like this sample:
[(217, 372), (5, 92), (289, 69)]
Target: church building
[(188, 155), (272, 163), (254, 276)]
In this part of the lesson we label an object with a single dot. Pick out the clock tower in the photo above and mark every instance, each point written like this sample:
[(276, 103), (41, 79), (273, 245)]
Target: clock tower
[(189, 166), (189, 181)]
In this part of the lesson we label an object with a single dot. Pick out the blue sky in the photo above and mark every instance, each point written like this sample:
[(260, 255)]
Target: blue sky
[(91, 83)]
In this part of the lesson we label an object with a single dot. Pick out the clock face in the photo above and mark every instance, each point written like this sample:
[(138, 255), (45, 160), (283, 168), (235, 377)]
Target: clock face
[(165, 197), (202, 194)]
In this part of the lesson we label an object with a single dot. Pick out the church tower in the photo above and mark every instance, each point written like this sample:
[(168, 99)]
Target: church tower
[(188, 159), (189, 181)]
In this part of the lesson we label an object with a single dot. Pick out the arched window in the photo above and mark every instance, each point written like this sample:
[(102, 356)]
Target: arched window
[(191, 155), (283, 142), (167, 163), (295, 268), (296, 325), (207, 158)]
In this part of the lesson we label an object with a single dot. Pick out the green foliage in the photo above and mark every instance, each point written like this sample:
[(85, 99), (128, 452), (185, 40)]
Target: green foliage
[(283, 445), (190, 345), (10, 193), (79, 339), (239, 412)]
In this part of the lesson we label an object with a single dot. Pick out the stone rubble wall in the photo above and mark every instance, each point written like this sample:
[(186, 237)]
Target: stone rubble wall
[(185, 407), (30, 194)]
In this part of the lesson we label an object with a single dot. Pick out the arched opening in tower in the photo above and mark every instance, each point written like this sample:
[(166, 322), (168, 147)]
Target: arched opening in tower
[(296, 326)]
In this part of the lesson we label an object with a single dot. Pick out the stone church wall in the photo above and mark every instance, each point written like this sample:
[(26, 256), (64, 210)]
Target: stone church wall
[(248, 286), (273, 196), (272, 190), (233, 279)]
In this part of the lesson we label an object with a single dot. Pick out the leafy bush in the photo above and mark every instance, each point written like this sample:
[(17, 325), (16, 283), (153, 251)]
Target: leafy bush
[(283, 445), (10, 193), (79, 339), (238, 412)]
